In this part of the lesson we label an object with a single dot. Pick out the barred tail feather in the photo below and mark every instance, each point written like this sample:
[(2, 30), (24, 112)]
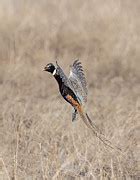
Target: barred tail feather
[(96, 131)]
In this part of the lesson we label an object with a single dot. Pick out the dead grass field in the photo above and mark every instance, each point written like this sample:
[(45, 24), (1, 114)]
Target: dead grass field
[(38, 141)]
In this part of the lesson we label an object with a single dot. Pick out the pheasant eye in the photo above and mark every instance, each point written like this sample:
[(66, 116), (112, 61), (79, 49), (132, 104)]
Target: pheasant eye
[(49, 65)]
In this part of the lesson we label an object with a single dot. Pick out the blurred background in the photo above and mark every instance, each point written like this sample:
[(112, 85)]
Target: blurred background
[(37, 138)]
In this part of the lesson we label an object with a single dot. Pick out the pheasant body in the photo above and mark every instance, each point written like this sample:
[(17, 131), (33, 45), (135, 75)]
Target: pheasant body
[(74, 90)]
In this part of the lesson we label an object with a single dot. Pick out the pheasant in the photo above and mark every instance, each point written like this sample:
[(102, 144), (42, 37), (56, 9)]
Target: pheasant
[(74, 90)]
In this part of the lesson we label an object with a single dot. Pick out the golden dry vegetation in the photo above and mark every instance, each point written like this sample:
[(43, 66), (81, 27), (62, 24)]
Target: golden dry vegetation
[(38, 140)]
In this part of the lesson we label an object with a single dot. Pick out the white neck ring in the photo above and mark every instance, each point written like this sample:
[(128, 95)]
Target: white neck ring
[(54, 72)]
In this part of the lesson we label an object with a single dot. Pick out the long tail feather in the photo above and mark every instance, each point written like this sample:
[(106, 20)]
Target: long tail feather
[(93, 125), (97, 132)]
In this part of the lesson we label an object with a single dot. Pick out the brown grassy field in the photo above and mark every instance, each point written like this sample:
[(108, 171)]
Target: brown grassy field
[(38, 140)]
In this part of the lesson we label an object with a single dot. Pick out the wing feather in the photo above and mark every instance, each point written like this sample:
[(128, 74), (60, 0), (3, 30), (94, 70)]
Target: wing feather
[(62, 75), (78, 80), (64, 78)]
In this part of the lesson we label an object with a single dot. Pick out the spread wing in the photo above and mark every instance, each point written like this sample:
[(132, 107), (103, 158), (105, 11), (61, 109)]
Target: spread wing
[(78, 81), (62, 75), (64, 78)]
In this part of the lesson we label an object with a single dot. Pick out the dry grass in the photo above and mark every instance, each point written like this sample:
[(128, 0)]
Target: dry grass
[(37, 138)]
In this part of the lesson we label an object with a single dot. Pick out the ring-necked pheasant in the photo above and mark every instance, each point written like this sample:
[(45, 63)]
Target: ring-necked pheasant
[(74, 90)]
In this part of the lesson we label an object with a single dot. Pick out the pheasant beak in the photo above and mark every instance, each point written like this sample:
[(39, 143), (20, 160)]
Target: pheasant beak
[(46, 68)]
